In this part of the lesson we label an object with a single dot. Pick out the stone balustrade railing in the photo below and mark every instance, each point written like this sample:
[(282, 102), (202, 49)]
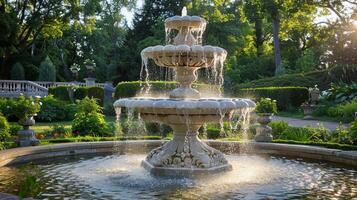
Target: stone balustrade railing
[(14, 88), (48, 84)]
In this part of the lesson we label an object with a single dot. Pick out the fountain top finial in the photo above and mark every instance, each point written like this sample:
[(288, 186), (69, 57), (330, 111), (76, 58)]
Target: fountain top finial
[(184, 11)]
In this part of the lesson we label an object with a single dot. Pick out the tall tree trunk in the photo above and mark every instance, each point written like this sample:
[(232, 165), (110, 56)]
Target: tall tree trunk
[(276, 26), (259, 35)]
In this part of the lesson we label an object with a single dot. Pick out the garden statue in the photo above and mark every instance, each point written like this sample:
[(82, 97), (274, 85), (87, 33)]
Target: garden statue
[(314, 95), (265, 109), (309, 106), (185, 111)]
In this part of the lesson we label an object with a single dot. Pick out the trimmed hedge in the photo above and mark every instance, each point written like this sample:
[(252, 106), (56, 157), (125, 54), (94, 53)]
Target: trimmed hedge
[(286, 97), (130, 89), (61, 93), (321, 78)]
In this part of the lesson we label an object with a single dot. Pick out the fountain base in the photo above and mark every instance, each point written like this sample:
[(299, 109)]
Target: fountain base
[(185, 155), (184, 172)]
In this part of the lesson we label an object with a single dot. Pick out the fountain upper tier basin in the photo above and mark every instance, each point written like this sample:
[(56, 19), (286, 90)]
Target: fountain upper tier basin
[(151, 108), (176, 22), (184, 55)]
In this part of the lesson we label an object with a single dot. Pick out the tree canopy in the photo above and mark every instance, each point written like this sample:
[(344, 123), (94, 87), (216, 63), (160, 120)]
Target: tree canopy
[(262, 38)]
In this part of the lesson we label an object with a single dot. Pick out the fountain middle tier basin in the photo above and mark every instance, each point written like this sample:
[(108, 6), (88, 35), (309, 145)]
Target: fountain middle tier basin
[(184, 55)]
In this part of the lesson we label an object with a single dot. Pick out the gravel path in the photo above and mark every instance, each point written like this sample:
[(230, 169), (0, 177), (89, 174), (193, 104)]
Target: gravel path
[(313, 123)]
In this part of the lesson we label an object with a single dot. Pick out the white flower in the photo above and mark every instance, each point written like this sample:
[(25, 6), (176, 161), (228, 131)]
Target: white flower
[(268, 99), (40, 103)]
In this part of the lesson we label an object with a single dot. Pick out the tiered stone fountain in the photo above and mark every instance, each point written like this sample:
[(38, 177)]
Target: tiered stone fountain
[(184, 110)]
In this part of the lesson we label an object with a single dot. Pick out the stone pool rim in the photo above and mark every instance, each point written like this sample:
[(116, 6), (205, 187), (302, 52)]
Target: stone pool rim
[(36, 153)]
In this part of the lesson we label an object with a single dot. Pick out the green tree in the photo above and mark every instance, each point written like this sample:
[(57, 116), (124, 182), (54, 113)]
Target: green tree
[(17, 72), (47, 71)]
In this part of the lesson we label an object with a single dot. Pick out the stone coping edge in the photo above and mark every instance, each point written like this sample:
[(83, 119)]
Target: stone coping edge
[(28, 154)]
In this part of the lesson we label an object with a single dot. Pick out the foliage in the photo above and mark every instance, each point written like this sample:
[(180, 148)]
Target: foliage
[(266, 105), (14, 128), (341, 92), (343, 111), (353, 132), (286, 97), (341, 135), (59, 130), (47, 71), (17, 72), (307, 62), (54, 110), (213, 133), (89, 119), (319, 134), (4, 128), (63, 93), (278, 127), (23, 108), (321, 78)]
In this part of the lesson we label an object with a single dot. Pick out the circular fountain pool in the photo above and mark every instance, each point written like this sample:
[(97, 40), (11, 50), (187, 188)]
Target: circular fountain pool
[(253, 177)]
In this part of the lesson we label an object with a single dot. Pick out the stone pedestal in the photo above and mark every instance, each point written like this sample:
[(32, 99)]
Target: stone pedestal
[(185, 155), (26, 137), (263, 131), (308, 109), (90, 81)]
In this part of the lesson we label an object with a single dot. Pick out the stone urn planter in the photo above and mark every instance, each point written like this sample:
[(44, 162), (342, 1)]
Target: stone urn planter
[(308, 109), (26, 137), (263, 131)]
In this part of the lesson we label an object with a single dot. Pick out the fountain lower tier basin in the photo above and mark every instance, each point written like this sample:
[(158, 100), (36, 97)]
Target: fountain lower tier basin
[(259, 171)]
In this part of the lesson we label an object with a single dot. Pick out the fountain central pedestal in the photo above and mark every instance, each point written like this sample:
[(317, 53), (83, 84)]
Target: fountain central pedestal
[(185, 155)]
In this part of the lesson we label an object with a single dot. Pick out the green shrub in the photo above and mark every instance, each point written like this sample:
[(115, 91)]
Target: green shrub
[(89, 119), (5, 106), (62, 93), (266, 105), (322, 78), (346, 111), (47, 71), (353, 132), (14, 128), (17, 72), (4, 128), (319, 134), (213, 133), (341, 135), (130, 89), (278, 127), (51, 110), (286, 97), (342, 92), (96, 92)]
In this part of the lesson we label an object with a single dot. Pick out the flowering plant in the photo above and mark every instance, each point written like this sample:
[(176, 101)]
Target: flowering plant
[(24, 108)]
